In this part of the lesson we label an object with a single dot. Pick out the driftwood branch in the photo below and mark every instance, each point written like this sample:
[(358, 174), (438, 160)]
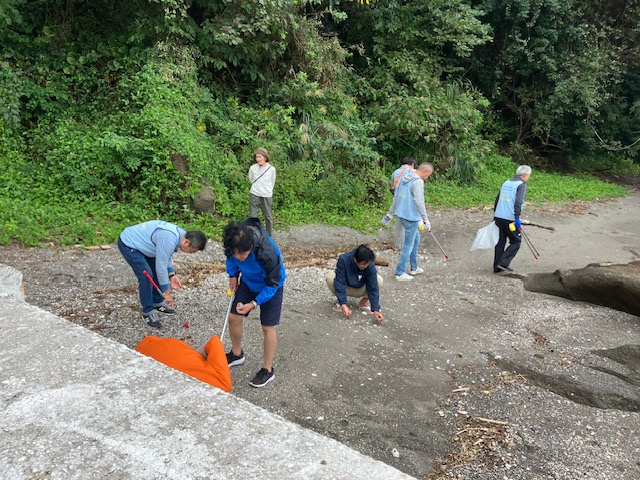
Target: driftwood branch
[(488, 420), (533, 224)]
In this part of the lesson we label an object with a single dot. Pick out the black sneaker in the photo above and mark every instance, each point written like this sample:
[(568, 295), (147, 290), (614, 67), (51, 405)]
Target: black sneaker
[(233, 359), (263, 377), (505, 268), (152, 319), (164, 308)]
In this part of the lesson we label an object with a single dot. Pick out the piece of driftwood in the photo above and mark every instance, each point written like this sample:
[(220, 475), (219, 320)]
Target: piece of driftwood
[(534, 224), (293, 263), (488, 420)]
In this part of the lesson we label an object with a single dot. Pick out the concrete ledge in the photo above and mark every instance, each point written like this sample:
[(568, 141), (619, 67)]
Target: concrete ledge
[(11, 283), (77, 405)]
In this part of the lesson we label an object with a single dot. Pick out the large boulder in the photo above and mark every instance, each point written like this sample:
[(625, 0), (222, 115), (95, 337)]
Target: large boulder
[(611, 285), (205, 200)]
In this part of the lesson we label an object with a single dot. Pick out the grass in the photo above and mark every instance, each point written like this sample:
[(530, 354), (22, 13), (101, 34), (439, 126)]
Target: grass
[(29, 218)]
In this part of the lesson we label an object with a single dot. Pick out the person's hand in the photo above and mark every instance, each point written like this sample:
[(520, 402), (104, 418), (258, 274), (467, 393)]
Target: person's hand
[(168, 298), (346, 310), (175, 282), (245, 308), (233, 283), (379, 316), (387, 219), (518, 224)]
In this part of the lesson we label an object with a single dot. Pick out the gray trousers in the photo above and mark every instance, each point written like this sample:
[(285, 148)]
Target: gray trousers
[(398, 238), (265, 204)]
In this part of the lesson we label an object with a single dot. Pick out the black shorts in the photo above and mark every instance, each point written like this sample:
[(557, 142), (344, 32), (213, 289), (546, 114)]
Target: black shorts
[(269, 311)]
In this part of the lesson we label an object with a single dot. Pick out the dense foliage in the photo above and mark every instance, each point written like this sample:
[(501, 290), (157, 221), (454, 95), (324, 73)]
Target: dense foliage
[(564, 74), (113, 111)]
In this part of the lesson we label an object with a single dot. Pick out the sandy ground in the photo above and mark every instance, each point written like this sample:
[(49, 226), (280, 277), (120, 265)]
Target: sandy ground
[(469, 376)]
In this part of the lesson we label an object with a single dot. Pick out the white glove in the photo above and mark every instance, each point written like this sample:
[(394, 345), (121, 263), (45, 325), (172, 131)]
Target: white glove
[(387, 219)]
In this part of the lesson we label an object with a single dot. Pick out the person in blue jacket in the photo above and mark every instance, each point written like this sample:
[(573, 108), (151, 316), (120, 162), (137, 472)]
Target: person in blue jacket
[(356, 276), (256, 275), (508, 207), (149, 246)]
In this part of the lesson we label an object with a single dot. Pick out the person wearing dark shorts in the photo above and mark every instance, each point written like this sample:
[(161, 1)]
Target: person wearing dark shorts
[(256, 275)]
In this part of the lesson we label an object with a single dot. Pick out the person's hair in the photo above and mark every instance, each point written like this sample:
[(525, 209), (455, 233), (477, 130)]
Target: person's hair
[(426, 166), (523, 170), (364, 254), (197, 239), (409, 161), (237, 238)]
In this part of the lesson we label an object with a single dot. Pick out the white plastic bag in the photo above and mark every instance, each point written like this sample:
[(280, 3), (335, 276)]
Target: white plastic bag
[(487, 237)]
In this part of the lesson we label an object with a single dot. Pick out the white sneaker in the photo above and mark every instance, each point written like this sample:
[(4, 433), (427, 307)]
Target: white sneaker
[(417, 271), (404, 278)]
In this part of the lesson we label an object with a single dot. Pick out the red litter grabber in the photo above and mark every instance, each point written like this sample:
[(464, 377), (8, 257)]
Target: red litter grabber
[(533, 249), (446, 257), (155, 285)]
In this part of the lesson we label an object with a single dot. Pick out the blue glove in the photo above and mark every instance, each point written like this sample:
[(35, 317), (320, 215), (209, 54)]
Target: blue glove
[(518, 224)]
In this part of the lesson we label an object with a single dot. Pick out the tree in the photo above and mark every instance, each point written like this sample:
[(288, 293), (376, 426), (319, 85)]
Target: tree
[(559, 71)]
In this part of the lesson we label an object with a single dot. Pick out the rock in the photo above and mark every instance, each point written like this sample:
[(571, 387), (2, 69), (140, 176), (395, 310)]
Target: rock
[(611, 285), (205, 201)]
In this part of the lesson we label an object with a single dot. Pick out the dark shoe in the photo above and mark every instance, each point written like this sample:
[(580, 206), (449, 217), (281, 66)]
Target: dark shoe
[(164, 308), (152, 319), (263, 377), (233, 359), (505, 269)]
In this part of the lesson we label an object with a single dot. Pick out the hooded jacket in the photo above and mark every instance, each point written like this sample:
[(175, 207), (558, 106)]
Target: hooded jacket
[(263, 270), (408, 200)]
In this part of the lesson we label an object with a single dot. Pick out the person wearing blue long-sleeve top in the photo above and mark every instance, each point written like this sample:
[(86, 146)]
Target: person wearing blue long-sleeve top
[(356, 276), (149, 247), (256, 275)]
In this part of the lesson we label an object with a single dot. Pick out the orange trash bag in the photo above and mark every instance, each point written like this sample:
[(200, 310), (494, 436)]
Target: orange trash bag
[(178, 355)]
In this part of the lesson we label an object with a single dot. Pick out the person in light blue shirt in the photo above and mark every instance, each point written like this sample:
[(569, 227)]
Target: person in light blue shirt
[(409, 207), (256, 275), (508, 207), (408, 165), (149, 247)]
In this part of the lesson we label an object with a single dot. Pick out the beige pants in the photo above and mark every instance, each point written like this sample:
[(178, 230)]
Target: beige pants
[(351, 292)]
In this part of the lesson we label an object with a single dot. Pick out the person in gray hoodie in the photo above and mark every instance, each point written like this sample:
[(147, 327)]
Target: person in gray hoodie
[(409, 208)]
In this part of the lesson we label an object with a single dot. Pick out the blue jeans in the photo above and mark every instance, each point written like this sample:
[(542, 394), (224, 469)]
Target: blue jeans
[(410, 247), (149, 296)]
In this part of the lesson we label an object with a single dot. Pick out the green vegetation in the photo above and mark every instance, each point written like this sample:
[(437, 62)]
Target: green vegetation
[(115, 112)]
